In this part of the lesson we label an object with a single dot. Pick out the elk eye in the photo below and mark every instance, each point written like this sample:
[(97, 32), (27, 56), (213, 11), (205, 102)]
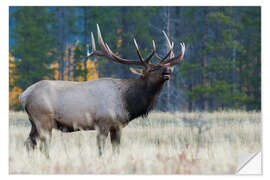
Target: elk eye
[(155, 68)]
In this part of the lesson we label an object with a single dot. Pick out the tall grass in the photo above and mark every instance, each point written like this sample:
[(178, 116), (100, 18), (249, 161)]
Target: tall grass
[(163, 143)]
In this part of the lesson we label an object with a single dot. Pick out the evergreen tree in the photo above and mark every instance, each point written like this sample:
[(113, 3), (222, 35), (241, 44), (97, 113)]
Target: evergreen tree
[(65, 28), (33, 44), (222, 66), (249, 57)]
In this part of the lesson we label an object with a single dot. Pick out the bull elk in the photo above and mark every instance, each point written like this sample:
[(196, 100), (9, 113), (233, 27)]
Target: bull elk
[(106, 105)]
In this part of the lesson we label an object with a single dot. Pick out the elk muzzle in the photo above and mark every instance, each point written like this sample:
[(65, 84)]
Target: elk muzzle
[(167, 73)]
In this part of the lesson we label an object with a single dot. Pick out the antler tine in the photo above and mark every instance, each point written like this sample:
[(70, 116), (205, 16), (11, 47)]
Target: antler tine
[(87, 51), (138, 51), (170, 53), (100, 41), (88, 54), (107, 52), (177, 59), (93, 42), (94, 51), (110, 51), (151, 55), (154, 46), (163, 59), (168, 40)]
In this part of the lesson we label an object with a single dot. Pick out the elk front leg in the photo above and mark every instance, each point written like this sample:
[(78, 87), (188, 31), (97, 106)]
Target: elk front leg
[(101, 139), (44, 146), (115, 134), (45, 139)]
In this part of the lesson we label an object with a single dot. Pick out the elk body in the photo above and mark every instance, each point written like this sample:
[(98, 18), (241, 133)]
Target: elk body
[(106, 105)]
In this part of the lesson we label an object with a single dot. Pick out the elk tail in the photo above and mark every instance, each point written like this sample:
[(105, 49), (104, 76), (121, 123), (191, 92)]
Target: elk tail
[(24, 95)]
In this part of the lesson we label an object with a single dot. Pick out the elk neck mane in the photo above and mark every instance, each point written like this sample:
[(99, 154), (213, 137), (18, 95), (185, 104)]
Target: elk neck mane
[(140, 96)]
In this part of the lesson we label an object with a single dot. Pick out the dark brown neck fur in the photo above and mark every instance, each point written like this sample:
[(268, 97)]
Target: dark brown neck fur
[(141, 96)]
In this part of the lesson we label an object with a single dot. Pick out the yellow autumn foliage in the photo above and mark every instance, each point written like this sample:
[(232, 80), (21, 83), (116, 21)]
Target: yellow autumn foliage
[(15, 91), (55, 66), (14, 96), (70, 67), (92, 73)]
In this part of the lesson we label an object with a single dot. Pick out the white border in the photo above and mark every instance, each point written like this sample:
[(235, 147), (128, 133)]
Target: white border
[(4, 91), (4, 72)]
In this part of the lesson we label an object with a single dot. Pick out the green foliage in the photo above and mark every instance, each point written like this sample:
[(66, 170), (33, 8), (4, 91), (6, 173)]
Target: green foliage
[(222, 66), (33, 46), (232, 72), (78, 56), (221, 19)]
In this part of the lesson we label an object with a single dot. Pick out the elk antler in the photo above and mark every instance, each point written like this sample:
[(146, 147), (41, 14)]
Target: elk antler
[(172, 60), (175, 60), (170, 53), (107, 52)]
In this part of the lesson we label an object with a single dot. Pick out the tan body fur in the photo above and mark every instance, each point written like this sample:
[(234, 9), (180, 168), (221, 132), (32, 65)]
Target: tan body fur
[(70, 106)]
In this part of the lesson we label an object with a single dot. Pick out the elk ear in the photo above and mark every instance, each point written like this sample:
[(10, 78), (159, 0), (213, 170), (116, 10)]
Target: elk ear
[(136, 71)]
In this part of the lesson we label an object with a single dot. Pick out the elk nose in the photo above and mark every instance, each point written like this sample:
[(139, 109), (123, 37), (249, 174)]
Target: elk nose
[(167, 70)]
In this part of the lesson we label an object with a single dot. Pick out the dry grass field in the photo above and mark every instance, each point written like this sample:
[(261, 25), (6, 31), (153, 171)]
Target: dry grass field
[(163, 143)]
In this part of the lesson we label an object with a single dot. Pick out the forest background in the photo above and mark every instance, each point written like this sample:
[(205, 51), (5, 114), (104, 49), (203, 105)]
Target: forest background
[(221, 68)]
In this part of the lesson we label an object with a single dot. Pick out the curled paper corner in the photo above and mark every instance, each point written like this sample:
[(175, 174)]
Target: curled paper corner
[(249, 163)]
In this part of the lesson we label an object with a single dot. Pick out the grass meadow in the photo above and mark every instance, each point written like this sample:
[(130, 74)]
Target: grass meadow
[(162, 143)]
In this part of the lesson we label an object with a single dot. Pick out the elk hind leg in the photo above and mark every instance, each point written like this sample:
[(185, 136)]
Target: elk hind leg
[(44, 128), (31, 141)]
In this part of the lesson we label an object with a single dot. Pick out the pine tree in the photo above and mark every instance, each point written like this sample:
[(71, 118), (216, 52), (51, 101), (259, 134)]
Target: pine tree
[(64, 28), (249, 57), (222, 63), (33, 44)]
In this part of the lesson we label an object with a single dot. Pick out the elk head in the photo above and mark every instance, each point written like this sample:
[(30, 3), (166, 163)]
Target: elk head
[(153, 72)]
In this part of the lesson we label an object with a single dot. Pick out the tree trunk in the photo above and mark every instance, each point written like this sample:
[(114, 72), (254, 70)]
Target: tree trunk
[(61, 35), (257, 93), (204, 60), (169, 35), (85, 16), (170, 11), (190, 102), (124, 50), (69, 64)]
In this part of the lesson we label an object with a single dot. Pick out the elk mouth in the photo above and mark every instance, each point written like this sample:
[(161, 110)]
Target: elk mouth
[(166, 74)]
